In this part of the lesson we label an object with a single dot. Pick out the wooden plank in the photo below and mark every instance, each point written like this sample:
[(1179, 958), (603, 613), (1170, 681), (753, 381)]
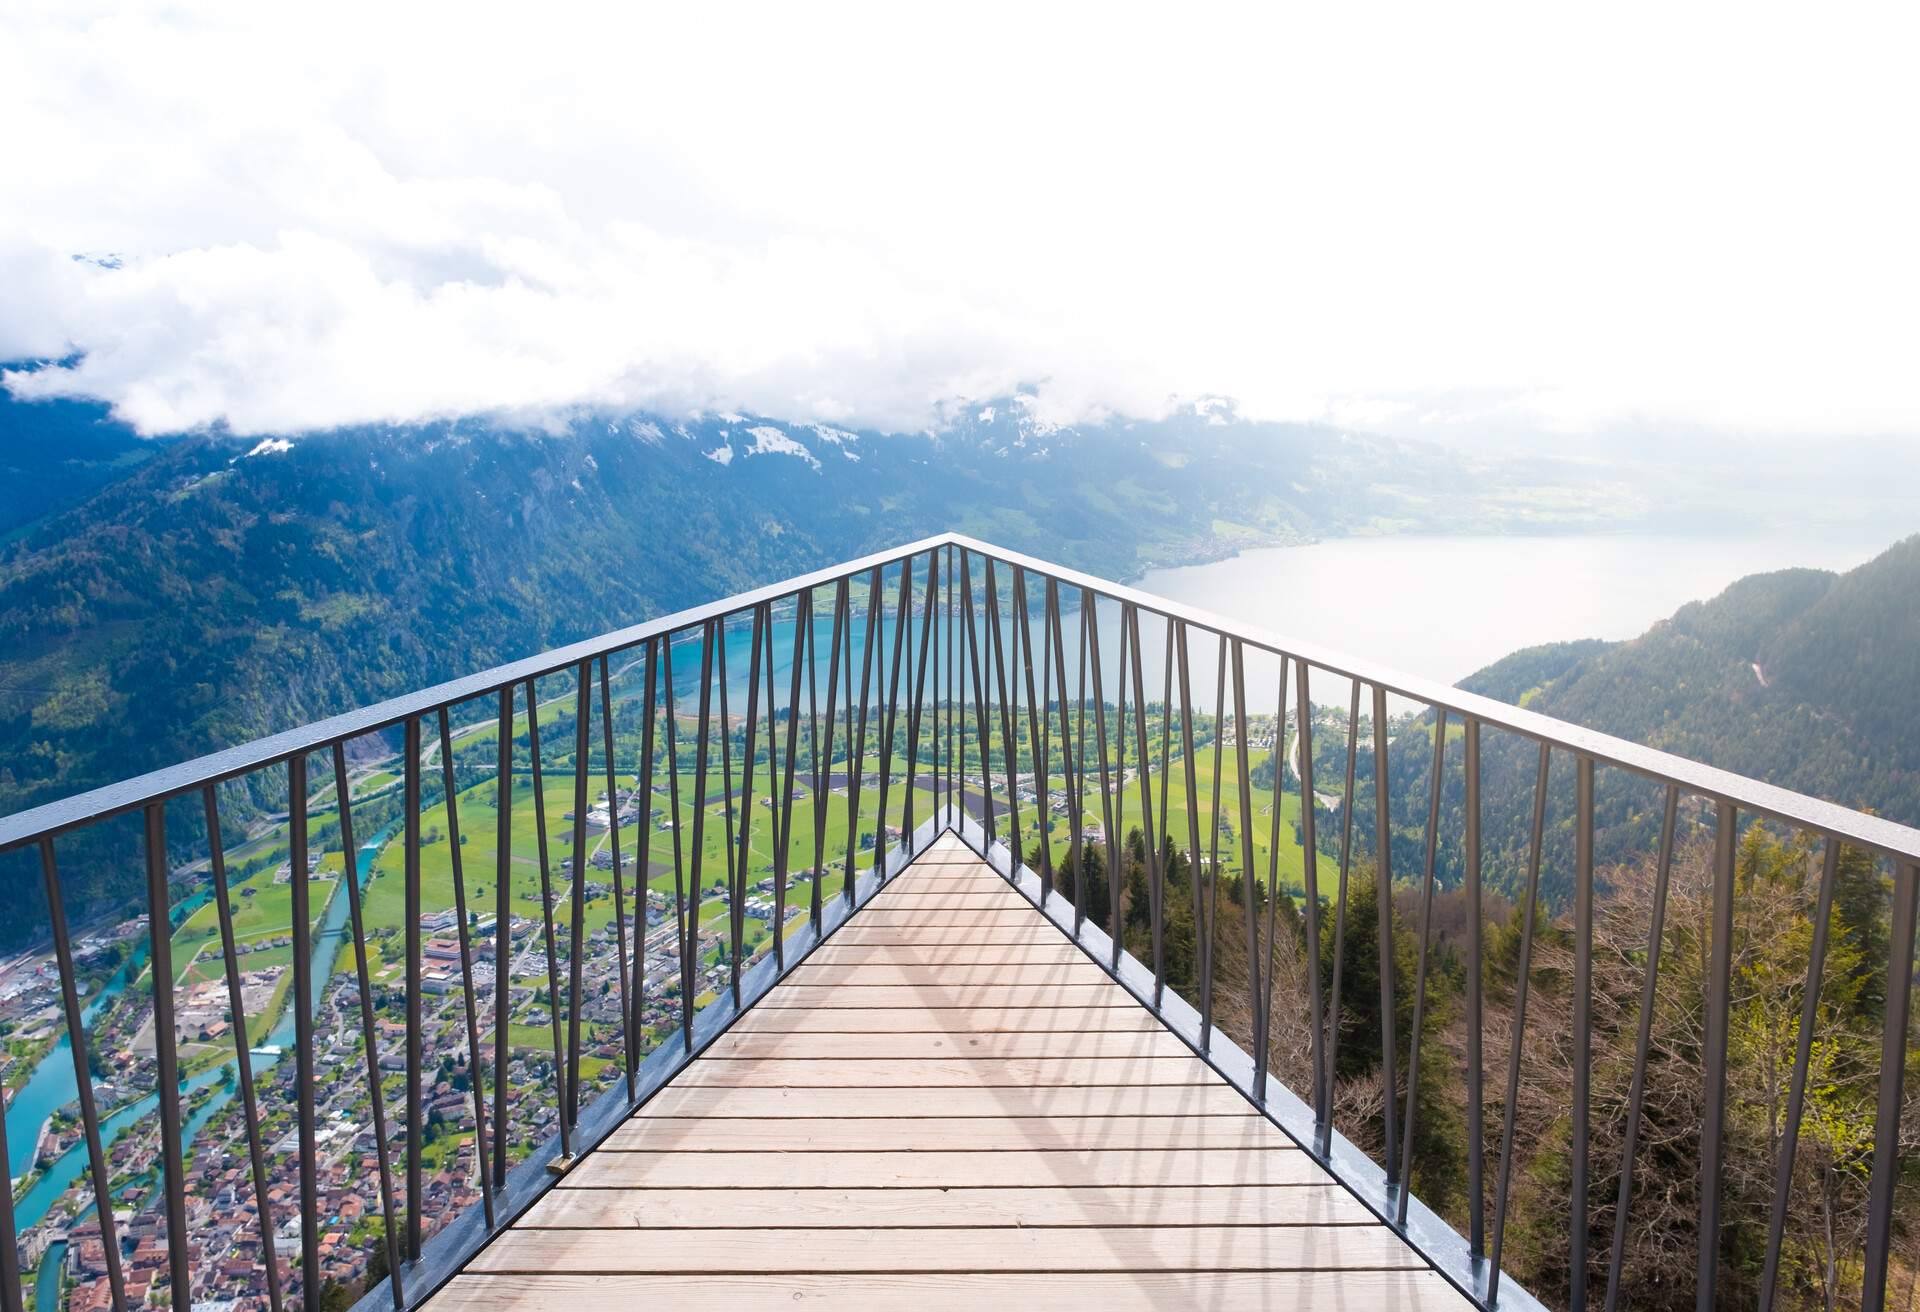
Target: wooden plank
[(945, 1020), (964, 1071), (1065, 1101), (655, 1209), (942, 1170), (1140, 1291), (913, 1047), (949, 899), (834, 952), (983, 916), (904, 1131), (1129, 1248), (1039, 931), (983, 995), (949, 974)]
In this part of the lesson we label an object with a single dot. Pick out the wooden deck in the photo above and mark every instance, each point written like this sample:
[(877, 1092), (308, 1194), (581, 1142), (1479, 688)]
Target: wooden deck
[(946, 1106)]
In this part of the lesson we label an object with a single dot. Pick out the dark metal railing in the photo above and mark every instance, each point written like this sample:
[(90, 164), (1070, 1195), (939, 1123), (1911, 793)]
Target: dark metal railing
[(931, 685)]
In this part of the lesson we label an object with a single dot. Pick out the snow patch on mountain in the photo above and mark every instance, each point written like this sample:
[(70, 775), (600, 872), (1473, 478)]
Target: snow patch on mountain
[(720, 455), (771, 441), (828, 433)]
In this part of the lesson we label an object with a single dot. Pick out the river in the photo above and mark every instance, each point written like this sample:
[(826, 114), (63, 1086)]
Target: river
[(52, 1083)]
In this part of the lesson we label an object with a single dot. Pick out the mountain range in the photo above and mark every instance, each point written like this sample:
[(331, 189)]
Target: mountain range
[(161, 599)]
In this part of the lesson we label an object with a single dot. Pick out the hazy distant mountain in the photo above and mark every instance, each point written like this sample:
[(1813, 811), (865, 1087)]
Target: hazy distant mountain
[(1801, 678), (223, 588)]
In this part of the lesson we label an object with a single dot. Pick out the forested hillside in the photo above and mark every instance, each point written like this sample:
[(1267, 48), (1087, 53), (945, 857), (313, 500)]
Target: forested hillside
[(1800, 678)]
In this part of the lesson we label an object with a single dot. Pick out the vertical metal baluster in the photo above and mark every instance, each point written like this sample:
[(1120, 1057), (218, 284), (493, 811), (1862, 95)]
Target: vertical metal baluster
[(1159, 889), (1132, 621), (814, 775), (1310, 855), (1277, 755), (1438, 771), (242, 1045), (929, 684), (1045, 712), (846, 717), (823, 753), (546, 918), (643, 855), (1069, 759), (802, 628), (956, 746), (1524, 978), (619, 874), (1656, 939), (920, 690), (1116, 832), (774, 811), (1213, 872), (980, 721), (369, 1039), (680, 937), (307, 1151), (1340, 915), (736, 908), (416, 1129), (1476, 951), (890, 715), (1383, 877), (1797, 1090), (945, 736), (166, 1041), (1090, 645), (1714, 1114), (703, 733), (1582, 1023), (450, 787), (741, 865), (1009, 717), (502, 928), (1036, 728), (577, 881), (1249, 885), (83, 1084), (1080, 712), (1893, 1056), (1194, 857), (857, 756), (935, 604), (11, 1298)]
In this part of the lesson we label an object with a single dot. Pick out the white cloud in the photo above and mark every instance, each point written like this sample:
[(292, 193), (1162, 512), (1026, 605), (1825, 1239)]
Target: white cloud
[(1444, 221)]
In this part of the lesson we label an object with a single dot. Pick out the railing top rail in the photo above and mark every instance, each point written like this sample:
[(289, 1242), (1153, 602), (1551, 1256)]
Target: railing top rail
[(1841, 822), (56, 817)]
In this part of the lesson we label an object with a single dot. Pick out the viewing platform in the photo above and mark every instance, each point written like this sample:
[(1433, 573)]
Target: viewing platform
[(950, 929), (947, 1105)]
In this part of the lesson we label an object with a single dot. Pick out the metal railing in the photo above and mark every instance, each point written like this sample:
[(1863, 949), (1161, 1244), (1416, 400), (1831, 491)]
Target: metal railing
[(1144, 827)]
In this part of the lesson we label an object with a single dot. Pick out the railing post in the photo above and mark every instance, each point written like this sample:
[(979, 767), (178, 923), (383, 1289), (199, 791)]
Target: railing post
[(416, 1136), (503, 914), (166, 1040), (1383, 876), (1714, 1119), (1893, 1061), (308, 1148)]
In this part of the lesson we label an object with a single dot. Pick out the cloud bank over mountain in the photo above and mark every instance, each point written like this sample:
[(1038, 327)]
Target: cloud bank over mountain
[(1437, 224)]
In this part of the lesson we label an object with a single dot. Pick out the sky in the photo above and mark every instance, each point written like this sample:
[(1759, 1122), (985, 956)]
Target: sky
[(1473, 223)]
